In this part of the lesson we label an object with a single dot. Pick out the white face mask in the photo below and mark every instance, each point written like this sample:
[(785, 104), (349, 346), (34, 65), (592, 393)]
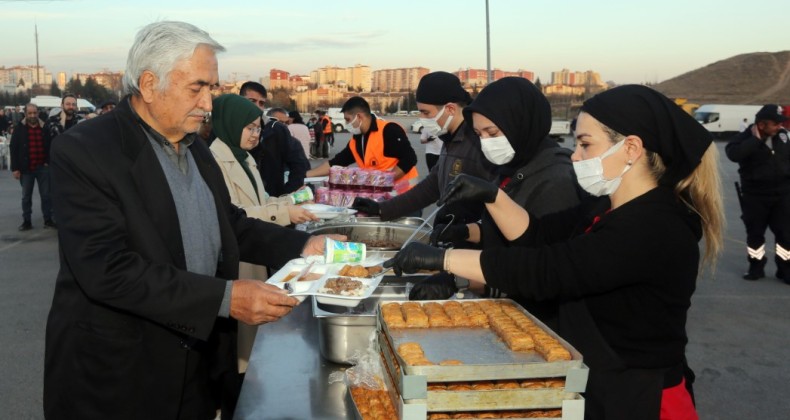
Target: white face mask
[(589, 173), (497, 150), (354, 130), (431, 127)]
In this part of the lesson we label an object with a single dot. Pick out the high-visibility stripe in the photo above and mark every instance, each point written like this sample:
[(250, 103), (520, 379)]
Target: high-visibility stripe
[(782, 253), (758, 253)]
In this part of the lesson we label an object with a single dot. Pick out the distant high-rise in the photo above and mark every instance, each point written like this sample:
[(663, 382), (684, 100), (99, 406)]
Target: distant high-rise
[(478, 77), (398, 80), (357, 77), (27, 74), (62, 80)]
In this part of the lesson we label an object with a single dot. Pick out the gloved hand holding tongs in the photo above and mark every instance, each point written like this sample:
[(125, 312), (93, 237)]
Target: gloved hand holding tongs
[(416, 256)]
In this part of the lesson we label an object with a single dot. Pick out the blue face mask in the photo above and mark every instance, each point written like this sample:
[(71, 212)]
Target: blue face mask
[(589, 173)]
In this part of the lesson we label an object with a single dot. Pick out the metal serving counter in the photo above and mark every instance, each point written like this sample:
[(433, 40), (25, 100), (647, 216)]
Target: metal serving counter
[(287, 378)]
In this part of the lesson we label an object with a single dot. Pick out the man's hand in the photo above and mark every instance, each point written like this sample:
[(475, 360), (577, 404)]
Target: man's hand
[(16, 174), (316, 245), (469, 188), (366, 205), (415, 257), (299, 214), (254, 302)]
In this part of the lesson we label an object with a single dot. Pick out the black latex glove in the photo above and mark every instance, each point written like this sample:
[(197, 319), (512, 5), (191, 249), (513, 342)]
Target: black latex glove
[(366, 205), (455, 234), (415, 257), (469, 188), (439, 286)]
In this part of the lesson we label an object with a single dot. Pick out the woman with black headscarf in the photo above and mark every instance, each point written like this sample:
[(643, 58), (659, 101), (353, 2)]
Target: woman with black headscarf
[(513, 118), (626, 275)]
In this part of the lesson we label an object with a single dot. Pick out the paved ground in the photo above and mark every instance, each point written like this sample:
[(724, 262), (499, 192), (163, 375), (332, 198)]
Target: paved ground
[(739, 330)]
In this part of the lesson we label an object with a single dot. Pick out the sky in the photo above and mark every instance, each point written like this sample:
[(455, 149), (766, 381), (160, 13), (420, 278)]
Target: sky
[(626, 41)]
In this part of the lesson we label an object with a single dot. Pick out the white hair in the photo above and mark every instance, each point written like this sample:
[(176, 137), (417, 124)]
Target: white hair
[(158, 47)]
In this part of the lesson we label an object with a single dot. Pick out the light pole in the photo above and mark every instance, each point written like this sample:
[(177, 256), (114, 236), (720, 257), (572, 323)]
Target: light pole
[(488, 48)]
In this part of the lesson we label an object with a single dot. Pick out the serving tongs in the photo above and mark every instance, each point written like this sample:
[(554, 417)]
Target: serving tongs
[(422, 226)]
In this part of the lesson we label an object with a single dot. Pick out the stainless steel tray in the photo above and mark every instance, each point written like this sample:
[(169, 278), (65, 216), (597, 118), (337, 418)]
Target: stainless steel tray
[(342, 331), (571, 403), (375, 231), (484, 355)]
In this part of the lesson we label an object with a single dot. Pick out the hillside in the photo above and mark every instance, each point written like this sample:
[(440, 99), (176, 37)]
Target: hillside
[(754, 78)]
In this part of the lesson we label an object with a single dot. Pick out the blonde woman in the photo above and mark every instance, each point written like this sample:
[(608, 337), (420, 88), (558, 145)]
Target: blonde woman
[(237, 125), (625, 277)]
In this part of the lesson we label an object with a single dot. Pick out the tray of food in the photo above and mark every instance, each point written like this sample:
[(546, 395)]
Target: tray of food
[(472, 340), (301, 276)]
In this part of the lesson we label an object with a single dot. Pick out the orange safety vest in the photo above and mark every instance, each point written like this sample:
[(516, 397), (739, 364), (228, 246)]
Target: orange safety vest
[(327, 123), (375, 159)]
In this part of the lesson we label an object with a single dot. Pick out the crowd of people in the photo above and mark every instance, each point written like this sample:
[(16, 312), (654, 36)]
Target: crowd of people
[(173, 205)]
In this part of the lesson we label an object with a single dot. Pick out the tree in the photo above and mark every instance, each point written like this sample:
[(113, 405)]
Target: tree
[(74, 86), (538, 84), (392, 107), (281, 97), (54, 90)]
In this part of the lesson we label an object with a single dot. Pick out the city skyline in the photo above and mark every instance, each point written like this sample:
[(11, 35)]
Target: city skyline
[(626, 42)]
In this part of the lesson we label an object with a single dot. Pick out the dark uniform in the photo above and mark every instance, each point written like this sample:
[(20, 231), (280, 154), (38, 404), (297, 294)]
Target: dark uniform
[(765, 199)]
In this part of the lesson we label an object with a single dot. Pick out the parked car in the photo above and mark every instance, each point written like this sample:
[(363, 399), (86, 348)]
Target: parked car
[(416, 126)]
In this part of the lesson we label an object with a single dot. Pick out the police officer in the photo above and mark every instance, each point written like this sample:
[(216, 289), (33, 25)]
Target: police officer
[(763, 155)]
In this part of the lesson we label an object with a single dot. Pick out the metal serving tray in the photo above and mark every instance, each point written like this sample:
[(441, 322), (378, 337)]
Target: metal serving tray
[(484, 355), (571, 403), (342, 331)]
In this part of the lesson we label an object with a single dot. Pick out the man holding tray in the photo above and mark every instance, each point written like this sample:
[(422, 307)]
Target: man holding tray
[(144, 316)]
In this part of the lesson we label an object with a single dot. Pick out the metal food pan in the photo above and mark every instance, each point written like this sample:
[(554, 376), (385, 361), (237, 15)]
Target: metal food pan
[(572, 404), (484, 355), (343, 331), (378, 231)]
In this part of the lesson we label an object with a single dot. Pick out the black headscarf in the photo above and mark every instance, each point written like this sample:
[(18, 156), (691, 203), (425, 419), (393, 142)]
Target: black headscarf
[(520, 111), (662, 125)]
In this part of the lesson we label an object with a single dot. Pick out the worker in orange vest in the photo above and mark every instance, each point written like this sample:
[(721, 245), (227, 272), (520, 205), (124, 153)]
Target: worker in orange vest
[(328, 130), (375, 144)]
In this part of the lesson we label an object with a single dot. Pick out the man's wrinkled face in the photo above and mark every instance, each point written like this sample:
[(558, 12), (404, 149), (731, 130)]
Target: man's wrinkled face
[(69, 106), (182, 106)]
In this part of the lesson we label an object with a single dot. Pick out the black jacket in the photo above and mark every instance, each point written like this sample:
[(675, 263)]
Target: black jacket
[(625, 289), (461, 154), (54, 128), (277, 153), (764, 170), (19, 148), (125, 311), (545, 185)]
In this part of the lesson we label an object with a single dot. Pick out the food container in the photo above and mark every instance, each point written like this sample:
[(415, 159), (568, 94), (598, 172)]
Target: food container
[(342, 330), (378, 236)]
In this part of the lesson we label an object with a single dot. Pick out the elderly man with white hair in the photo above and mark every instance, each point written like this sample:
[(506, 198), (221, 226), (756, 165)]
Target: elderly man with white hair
[(147, 300)]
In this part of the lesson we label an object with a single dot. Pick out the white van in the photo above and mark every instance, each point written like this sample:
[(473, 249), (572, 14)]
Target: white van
[(724, 120), (46, 101)]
